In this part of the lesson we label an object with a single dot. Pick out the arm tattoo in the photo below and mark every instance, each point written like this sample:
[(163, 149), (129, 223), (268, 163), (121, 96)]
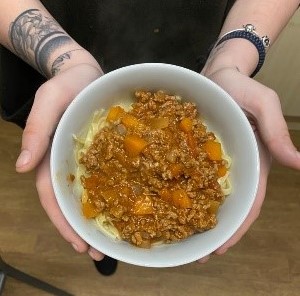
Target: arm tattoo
[(60, 61), (33, 34)]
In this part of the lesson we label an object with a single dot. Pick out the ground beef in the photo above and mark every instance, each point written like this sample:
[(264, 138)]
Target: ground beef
[(167, 190)]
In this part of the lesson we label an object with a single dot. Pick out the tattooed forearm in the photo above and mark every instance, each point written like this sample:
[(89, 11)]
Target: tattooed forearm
[(60, 61), (34, 38)]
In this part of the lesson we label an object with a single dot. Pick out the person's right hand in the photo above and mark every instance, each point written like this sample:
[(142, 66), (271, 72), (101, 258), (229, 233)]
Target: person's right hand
[(50, 102), (262, 106)]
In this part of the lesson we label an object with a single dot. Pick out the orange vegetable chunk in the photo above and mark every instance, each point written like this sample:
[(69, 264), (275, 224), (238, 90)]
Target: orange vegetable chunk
[(181, 199), (186, 125), (89, 210), (213, 150), (222, 170), (214, 206), (134, 145), (143, 206), (176, 169), (114, 113)]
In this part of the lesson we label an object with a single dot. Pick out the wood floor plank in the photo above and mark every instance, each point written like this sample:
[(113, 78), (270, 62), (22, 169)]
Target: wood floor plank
[(265, 262)]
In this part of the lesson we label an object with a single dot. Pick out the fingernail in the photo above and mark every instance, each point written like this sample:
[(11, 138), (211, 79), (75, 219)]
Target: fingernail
[(75, 247), (91, 254), (23, 159)]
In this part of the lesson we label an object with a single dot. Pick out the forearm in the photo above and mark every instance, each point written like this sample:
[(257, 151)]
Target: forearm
[(268, 16), (28, 30)]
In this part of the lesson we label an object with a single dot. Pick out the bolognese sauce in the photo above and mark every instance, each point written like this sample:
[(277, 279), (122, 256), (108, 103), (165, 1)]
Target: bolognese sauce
[(153, 171)]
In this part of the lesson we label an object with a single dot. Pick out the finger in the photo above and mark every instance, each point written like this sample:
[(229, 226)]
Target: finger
[(40, 125), (95, 255), (49, 203), (204, 259), (256, 207)]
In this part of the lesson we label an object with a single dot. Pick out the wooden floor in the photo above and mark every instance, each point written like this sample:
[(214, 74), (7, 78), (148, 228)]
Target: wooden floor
[(265, 262)]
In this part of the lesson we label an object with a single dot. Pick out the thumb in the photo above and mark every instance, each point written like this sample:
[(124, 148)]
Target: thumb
[(264, 105), (42, 120), (275, 134), (50, 101)]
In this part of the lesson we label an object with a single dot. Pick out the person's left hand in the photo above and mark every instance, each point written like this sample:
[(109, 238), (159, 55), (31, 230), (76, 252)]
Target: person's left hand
[(262, 107), (50, 102)]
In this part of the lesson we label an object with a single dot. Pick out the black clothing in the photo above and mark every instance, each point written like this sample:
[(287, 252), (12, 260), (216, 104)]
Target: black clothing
[(119, 33), (107, 266)]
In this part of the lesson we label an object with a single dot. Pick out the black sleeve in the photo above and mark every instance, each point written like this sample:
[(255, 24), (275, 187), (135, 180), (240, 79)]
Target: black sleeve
[(18, 84)]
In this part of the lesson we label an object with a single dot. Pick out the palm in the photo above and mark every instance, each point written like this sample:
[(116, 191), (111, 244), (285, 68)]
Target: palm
[(262, 106)]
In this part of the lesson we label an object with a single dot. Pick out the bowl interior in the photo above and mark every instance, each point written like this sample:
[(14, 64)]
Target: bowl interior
[(222, 116)]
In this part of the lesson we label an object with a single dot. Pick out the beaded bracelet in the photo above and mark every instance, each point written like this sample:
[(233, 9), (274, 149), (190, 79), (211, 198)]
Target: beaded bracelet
[(248, 32)]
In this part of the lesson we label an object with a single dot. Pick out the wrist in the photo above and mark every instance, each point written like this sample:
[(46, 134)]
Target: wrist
[(234, 53), (69, 58)]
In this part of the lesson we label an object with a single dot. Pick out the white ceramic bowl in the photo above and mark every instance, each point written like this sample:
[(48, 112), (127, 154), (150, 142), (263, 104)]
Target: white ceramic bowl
[(222, 115)]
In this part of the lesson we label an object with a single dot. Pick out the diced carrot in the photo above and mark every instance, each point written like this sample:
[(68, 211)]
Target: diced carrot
[(213, 150), (89, 210), (130, 121), (134, 145), (176, 169), (159, 122), (222, 170), (214, 206), (114, 113), (186, 125), (181, 199), (143, 206)]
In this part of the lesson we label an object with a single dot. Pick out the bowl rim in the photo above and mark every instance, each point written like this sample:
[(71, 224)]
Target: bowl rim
[(109, 75)]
